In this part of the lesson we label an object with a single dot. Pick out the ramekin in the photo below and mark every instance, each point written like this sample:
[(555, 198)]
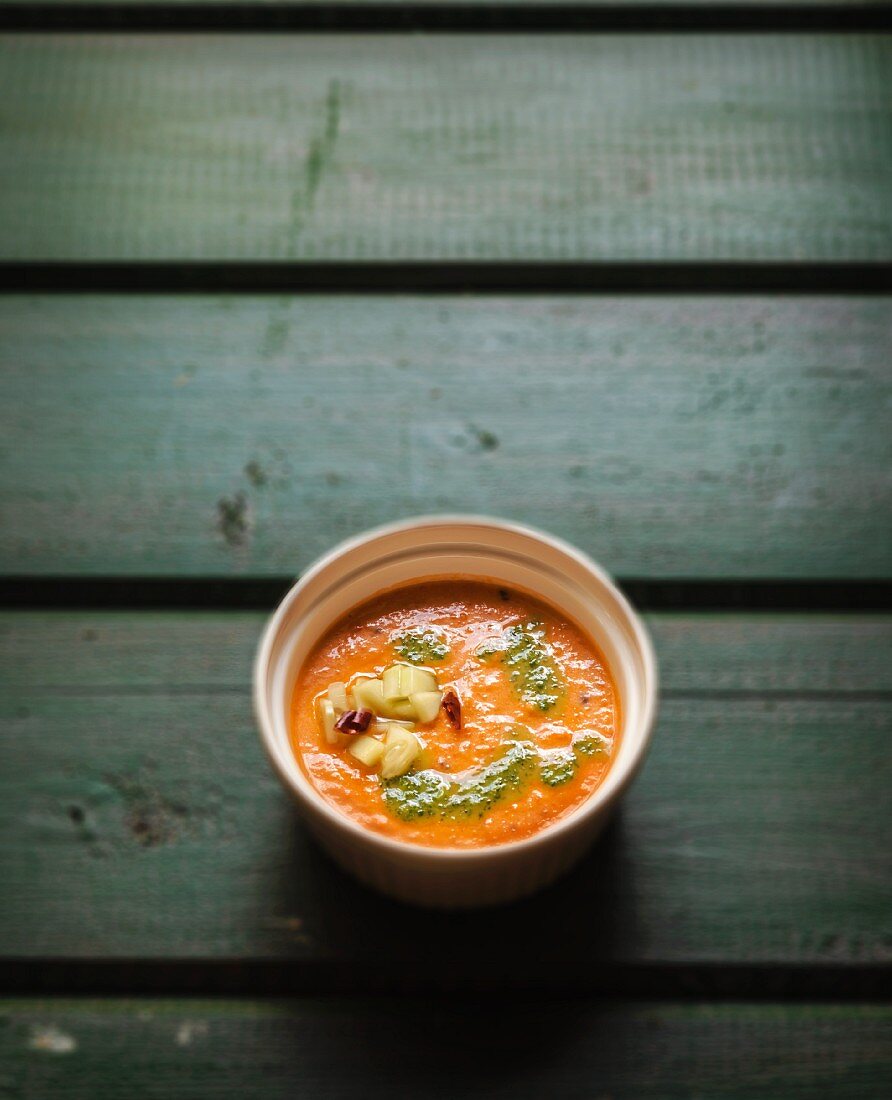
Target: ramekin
[(471, 546)]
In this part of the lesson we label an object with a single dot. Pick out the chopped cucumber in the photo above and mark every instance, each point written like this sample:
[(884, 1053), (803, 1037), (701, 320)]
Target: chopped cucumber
[(369, 695), (399, 708), (337, 693), (396, 683), (326, 717), (401, 681), (381, 724), (367, 750), (426, 704), (400, 750)]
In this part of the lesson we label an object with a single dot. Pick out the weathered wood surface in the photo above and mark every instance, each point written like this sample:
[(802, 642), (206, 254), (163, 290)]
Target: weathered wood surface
[(140, 819), (648, 147), (81, 1050), (684, 437)]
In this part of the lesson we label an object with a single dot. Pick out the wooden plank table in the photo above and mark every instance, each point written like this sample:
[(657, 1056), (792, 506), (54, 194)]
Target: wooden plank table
[(662, 329), (399, 147)]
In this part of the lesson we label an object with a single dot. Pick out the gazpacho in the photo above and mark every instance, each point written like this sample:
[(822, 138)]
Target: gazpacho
[(455, 713)]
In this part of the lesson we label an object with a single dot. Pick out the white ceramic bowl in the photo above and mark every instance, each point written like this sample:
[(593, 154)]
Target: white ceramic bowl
[(489, 549)]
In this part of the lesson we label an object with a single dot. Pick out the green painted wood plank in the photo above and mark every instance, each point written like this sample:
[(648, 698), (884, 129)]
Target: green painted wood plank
[(346, 1048), (654, 147), (139, 818), (776, 654), (684, 437)]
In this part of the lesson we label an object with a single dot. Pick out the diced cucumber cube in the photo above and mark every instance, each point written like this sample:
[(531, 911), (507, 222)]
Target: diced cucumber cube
[(423, 680), (369, 695), (401, 681), (367, 750), (400, 751), (381, 724), (326, 717), (426, 704), (337, 693), (399, 708), (396, 683)]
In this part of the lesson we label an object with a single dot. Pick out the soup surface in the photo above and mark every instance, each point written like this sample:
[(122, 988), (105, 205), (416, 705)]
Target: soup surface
[(522, 714)]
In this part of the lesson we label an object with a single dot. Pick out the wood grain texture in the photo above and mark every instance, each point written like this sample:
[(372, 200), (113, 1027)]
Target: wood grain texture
[(85, 1050), (668, 437), (653, 147), (140, 819)]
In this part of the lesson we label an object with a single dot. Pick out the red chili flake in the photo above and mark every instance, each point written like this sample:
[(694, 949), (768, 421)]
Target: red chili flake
[(452, 705), (354, 721)]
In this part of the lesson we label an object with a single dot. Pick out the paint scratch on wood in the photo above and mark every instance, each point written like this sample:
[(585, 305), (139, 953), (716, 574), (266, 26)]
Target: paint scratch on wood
[(189, 1030), (51, 1040)]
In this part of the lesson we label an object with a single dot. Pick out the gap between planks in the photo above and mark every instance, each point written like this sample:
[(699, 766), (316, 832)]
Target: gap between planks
[(383, 17), (140, 593), (445, 277), (287, 978)]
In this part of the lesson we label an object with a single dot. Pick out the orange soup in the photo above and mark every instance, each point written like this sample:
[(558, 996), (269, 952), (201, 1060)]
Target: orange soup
[(455, 713)]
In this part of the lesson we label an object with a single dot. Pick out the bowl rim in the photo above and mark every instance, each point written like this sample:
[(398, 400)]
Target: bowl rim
[(603, 795)]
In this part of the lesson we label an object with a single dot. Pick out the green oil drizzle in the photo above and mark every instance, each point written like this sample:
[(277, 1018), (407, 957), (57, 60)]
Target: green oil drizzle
[(421, 647), (558, 767), (431, 794), (532, 670)]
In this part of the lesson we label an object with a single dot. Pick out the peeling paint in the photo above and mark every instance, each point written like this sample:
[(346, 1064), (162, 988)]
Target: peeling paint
[(232, 518), (256, 474)]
